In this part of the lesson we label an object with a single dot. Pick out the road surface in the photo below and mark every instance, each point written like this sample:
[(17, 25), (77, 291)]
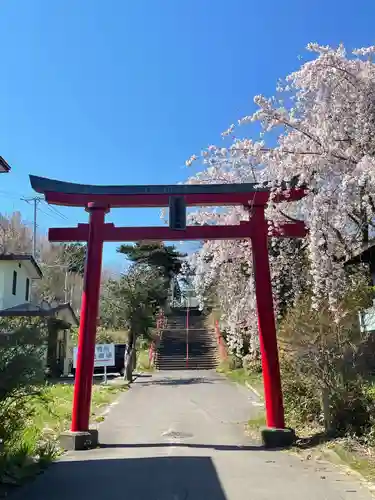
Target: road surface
[(180, 436)]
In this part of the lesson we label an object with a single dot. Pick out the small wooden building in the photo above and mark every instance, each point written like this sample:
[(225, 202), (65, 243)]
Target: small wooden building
[(60, 319)]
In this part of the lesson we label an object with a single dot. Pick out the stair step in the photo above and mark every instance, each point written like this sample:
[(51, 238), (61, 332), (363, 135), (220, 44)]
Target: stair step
[(183, 360), (200, 367), (177, 341), (180, 355), (184, 365)]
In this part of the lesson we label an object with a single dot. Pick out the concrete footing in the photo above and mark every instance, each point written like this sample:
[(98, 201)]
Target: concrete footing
[(278, 438), (78, 441)]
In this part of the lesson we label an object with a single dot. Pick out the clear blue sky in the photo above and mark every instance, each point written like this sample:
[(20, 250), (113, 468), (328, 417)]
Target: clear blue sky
[(124, 91)]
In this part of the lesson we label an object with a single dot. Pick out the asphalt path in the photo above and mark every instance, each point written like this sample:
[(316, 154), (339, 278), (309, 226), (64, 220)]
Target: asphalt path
[(181, 436)]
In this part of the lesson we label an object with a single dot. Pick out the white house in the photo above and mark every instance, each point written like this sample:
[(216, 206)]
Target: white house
[(16, 275)]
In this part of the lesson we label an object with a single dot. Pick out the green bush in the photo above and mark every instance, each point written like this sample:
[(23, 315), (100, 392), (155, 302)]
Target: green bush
[(351, 407), (322, 364), (22, 359), (301, 397), (251, 364), (234, 362), (143, 343), (352, 410)]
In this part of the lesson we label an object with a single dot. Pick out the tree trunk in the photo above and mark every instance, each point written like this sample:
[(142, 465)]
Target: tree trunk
[(134, 358), (53, 367), (326, 407), (128, 370), (130, 359)]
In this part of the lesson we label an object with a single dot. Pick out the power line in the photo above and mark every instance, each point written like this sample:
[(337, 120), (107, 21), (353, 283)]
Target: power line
[(57, 212), (52, 212), (48, 214), (19, 196), (22, 197), (35, 202), (8, 194)]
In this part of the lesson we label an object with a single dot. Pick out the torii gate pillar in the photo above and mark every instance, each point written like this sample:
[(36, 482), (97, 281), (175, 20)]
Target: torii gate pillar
[(266, 323), (88, 319)]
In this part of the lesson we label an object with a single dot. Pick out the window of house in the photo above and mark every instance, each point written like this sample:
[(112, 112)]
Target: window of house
[(14, 285), (27, 293)]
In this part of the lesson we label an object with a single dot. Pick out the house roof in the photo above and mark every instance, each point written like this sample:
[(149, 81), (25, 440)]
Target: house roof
[(25, 258), (4, 167), (28, 309)]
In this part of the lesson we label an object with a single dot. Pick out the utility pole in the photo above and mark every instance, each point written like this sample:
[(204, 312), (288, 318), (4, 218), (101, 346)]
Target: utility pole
[(66, 285), (35, 200), (34, 227), (66, 267)]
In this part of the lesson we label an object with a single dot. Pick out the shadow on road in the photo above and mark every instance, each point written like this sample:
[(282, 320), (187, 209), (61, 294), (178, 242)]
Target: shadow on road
[(97, 379), (313, 440), (161, 478), (219, 447), (179, 381)]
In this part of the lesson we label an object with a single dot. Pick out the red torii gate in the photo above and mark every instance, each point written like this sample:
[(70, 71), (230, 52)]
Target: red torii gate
[(98, 200)]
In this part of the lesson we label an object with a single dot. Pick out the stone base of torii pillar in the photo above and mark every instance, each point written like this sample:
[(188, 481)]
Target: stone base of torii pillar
[(277, 438), (79, 441)]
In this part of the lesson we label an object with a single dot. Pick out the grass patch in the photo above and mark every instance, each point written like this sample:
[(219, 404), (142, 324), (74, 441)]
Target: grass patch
[(257, 422), (314, 442), (355, 459), (242, 376), (340, 451), (37, 445), (143, 361), (54, 416)]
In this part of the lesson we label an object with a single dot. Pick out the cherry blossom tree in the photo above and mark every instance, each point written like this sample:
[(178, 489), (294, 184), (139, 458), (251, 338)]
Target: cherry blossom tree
[(319, 131)]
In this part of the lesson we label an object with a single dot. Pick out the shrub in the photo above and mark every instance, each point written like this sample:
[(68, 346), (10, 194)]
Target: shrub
[(301, 396), (322, 366), (234, 362), (22, 355), (352, 409), (251, 364)]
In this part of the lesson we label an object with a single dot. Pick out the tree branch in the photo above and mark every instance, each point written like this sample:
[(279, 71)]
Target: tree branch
[(292, 219)]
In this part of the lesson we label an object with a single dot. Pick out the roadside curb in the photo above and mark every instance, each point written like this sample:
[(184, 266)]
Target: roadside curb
[(253, 390), (103, 414), (334, 458), (330, 456)]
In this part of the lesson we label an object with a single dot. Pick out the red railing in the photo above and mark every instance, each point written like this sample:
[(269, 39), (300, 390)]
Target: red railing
[(161, 322), (151, 354), (223, 352)]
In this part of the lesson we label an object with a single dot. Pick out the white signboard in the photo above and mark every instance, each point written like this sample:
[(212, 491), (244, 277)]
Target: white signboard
[(104, 355)]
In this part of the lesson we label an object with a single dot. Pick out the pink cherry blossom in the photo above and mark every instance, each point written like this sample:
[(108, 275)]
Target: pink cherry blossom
[(324, 115)]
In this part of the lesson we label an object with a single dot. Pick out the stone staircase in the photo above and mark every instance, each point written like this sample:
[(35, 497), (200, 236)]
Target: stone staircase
[(179, 349)]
